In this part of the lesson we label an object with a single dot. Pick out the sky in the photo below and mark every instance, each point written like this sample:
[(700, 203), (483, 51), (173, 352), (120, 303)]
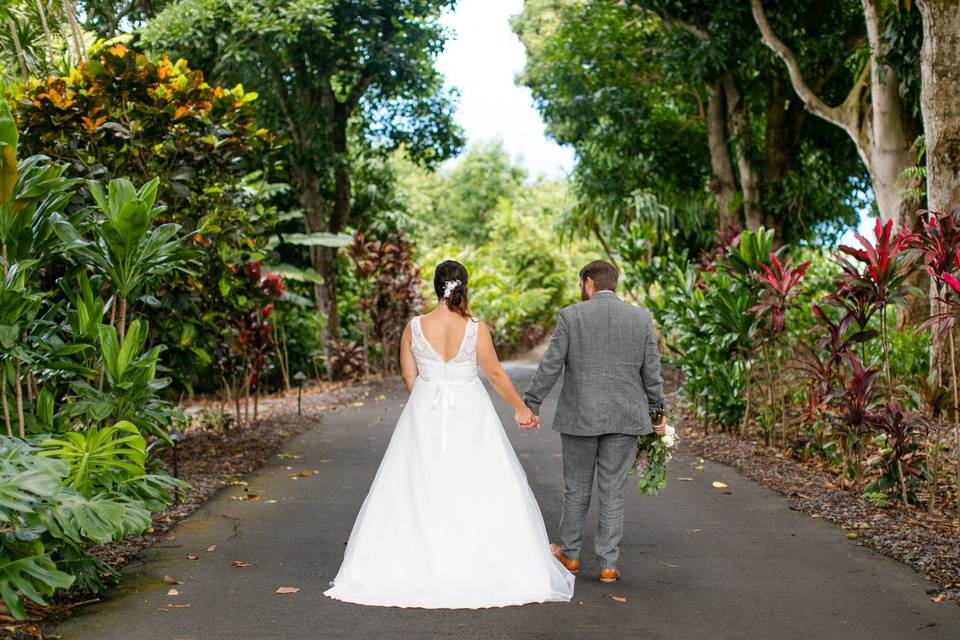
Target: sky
[(481, 59)]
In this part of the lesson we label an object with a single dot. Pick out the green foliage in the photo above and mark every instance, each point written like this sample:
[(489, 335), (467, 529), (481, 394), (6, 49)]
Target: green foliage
[(638, 88), (65, 372), (47, 525), (99, 458), (206, 167)]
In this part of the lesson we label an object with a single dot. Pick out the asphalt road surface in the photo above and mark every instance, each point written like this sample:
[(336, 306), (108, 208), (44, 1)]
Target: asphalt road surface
[(697, 562)]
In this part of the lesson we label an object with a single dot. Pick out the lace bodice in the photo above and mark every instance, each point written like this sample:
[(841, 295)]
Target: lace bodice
[(430, 363)]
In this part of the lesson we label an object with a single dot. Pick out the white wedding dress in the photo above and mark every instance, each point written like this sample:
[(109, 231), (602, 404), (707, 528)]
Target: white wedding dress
[(450, 521)]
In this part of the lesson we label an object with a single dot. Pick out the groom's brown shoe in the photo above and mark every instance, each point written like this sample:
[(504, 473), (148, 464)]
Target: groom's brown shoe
[(609, 575), (573, 566)]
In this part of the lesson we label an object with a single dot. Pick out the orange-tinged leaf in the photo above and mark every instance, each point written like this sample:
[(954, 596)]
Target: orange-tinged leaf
[(240, 564), (181, 112), (170, 580), (619, 599), (288, 589)]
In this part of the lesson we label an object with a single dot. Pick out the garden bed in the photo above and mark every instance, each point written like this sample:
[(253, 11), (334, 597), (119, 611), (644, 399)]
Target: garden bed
[(209, 459), (926, 542)]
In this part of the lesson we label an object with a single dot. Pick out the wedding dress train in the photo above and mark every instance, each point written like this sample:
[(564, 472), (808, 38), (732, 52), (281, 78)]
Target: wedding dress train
[(450, 521)]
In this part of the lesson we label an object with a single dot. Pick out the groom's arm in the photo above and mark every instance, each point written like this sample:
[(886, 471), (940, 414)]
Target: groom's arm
[(550, 367), (650, 371)]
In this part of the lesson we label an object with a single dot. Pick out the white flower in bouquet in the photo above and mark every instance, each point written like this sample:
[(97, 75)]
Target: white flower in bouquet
[(669, 437)]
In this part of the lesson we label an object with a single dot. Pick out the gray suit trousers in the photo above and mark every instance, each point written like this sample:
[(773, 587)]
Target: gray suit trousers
[(611, 456)]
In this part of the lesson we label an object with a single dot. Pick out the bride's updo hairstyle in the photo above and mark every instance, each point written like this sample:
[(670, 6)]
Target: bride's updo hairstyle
[(450, 285)]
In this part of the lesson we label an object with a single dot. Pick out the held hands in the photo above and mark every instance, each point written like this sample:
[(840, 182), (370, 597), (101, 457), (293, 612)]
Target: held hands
[(526, 419)]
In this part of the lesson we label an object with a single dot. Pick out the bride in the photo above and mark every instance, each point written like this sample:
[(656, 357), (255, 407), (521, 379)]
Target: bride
[(450, 521)]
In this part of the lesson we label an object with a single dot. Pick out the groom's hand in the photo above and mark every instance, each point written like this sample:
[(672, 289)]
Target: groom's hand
[(659, 429)]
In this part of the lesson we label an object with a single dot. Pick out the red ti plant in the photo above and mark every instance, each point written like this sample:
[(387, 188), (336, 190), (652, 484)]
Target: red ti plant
[(780, 280), (858, 406), (887, 264), (728, 237), (901, 430), (939, 244)]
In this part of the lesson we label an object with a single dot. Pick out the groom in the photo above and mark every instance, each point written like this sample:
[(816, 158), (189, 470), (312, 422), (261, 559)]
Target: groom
[(607, 350)]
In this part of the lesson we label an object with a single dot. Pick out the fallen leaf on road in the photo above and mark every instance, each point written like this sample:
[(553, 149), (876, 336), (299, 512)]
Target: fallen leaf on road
[(288, 589), (619, 599), (170, 580), (270, 501), (240, 564), (686, 479), (356, 404), (851, 536), (667, 564), (695, 530), (302, 474), (176, 606), (173, 592), (381, 397), (190, 556), (719, 485), (699, 467), (212, 547), (238, 483), (939, 597), (287, 456)]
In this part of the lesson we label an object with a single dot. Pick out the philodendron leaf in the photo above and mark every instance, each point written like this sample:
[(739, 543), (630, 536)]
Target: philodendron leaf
[(32, 576)]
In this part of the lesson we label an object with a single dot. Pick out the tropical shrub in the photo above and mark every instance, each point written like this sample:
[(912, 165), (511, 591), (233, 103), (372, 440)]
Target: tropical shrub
[(123, 114), (80, 389)]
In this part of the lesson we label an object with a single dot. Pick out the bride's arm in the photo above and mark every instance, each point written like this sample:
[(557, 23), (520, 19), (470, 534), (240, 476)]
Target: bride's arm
[(499, 380), (408, 365)]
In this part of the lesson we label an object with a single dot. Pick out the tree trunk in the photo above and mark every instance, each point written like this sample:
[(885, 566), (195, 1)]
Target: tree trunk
[(940, 73), (891, 131), (77, 38), (872, 114), (21, 56), (51, 52), (18, 389), (740, 134), (723, 182), (3, 399)]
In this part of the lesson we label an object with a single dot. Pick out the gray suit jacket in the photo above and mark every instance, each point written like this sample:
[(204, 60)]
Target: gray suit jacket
[(607, 351)]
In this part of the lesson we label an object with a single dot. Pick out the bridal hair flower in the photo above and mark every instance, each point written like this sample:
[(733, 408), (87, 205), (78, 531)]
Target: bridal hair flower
[(449, 287)]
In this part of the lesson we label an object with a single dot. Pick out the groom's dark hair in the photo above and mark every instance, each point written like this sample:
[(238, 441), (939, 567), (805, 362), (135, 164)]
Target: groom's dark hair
[(603, 274)]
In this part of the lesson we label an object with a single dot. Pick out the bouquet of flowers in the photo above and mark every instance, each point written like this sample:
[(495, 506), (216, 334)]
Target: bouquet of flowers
[(653, 454)]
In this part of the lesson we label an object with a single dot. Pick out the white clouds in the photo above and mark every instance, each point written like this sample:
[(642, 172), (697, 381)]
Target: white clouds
[(481, 59)]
